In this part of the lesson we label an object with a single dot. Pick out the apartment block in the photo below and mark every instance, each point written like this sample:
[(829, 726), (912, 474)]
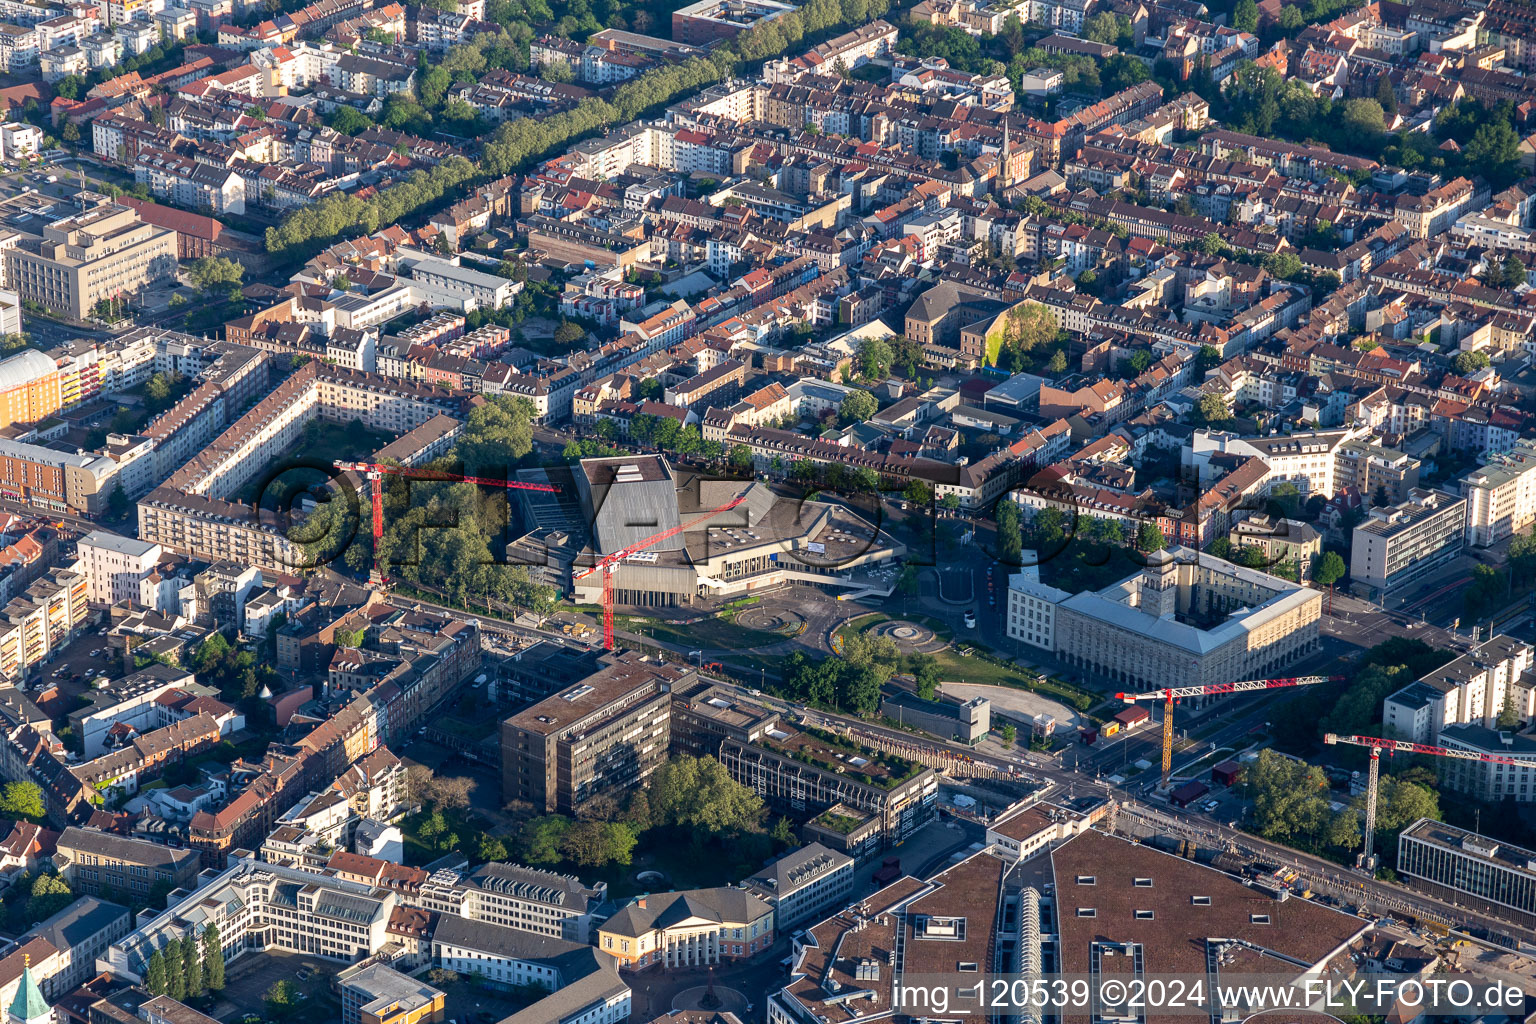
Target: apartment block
[(116, 566), (1501, 496), (1472, 690), (804, 883), (98, 863)]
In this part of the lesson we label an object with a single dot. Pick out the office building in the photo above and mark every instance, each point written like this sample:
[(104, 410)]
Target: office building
[(107, 253), (1404, 543), (1471, 870), (862, 801), (515, 896), (802, 884), (603, 735), (1187, 618)]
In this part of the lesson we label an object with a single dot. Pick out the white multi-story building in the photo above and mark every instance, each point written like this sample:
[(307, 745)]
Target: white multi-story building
[(1501, 496), (1032, 605), (1307, 460), (18, 48), (116, 566), (18, 139), (804, 883), (1472, 690)]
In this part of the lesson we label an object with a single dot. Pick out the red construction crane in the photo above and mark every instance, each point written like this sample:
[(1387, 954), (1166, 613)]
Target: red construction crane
[(1366, 861), (374, 472), (1171, 695), (609, 564)]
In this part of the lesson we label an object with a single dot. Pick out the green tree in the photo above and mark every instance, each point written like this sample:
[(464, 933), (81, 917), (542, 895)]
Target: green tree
[(857, 406), (950, 502), (1290, 800), (1471, 361), (918, 493), (698, 793), (212, 272), (49, 895), (154, 974), (1364, 118), (741, 457), (1213, 409), (117, 502), (1509, 718), (541, 839), (1010, 543), (213, 959), (873, 359), (496, 434), (568, 334), (1009, 733), (350, 121), (1207, 359), (1058, 362), (175, 971), (192, 966), (22, 800), (1494, 152), (1245, 16), (783, 831), (1149, 537), (596, 843), (281, 999), (1290, 18), (1328, 569)]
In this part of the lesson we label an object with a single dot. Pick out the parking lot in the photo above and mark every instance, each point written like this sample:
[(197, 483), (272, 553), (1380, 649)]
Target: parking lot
[(250, 976)]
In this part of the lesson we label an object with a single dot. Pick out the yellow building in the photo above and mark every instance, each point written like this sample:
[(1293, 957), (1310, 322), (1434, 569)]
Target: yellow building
[(375, 994), (688, 929)]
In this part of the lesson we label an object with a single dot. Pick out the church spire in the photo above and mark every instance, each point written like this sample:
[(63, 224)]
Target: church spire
[(1004, 169), (29, 1006)]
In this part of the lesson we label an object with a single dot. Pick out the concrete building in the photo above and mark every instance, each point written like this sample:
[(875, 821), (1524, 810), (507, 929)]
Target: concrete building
[(259, 906), (1511, 777), (947, 718), (115, 566), (702, 23), (1031, 609), (603, 735), (1472, 690), (1407, 542), (1501, 496), (502, 956), (514, 896), (863, 801), (1187, 618), (104, 253), (1468, 869), (804, 883)]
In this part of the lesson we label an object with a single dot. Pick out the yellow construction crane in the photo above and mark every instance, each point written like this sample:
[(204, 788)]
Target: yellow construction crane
[(1366, 861), (1173, 695)]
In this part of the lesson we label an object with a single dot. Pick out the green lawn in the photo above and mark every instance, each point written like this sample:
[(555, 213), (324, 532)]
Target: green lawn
[(981, 668), (711, 633)]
